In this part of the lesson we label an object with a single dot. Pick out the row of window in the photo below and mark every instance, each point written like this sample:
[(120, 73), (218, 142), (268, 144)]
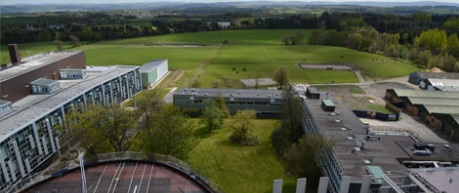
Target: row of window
[(36, 145)]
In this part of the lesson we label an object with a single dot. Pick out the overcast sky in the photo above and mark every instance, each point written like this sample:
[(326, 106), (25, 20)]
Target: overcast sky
[(10, 2)]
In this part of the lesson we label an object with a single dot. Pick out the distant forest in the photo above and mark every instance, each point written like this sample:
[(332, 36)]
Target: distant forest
[(429, 39)]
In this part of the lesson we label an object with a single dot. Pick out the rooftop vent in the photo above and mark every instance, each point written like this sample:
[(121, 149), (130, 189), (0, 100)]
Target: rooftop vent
[(366, 161)]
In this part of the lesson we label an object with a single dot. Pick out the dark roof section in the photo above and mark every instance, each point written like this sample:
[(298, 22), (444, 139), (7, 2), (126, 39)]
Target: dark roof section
[(227, 93), (313, 90), (438, 75), (348, 132)]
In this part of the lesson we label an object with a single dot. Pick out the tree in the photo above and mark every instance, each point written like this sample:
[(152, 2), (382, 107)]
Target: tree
[(242, 124), (99, 125), (423, 58), (450, 64), (452, 24), (293, 116), (59, 45), (212, 114), (433, 39), (291, 128), (148, 102), (453, 45), (281, 76), (221, 104), (80, 126), (75, 41), (302, 158), (171, 134), (118, 126)]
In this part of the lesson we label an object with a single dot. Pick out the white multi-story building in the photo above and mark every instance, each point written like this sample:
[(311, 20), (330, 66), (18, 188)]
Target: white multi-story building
[(29, 134)]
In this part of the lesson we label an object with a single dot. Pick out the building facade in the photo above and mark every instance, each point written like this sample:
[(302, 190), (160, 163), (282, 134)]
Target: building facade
[(154, 71), (30, 136), (267, 103)]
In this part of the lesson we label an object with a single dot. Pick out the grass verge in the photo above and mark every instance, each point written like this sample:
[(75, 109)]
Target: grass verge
[(242, 169)]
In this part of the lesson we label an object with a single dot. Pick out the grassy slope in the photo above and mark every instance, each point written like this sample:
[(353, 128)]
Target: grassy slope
[(259, 51), (238, 168)]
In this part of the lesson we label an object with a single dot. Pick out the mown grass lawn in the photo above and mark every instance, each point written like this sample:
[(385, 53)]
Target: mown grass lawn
[(28, 49), (259, 52), (241, 169)]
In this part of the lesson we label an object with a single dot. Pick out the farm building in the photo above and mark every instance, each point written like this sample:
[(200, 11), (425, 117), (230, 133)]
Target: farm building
[(267, 103), (154, 71), (434, 84), (438, 109), (417, 77)]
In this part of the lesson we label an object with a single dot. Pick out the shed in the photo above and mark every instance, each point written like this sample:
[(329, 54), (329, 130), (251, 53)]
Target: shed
[(328, 105), (44, 86), (153, 71), (312, 93)]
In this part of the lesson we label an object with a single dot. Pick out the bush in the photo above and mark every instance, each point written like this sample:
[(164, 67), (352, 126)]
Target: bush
[(239, 138)]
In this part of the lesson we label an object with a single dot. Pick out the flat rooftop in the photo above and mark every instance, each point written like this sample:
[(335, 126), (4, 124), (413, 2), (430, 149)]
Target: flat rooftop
[(30, 63), (121, 177), (443, 179), (227, 93), (33, 107), (424, 94), (348, 132), (441, 152), (151, 65)]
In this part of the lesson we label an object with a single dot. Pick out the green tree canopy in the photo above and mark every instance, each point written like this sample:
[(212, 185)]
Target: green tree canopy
[(212, 115), (242, 124), (433, 39), (281, 76), (171, 133), (97, 126)]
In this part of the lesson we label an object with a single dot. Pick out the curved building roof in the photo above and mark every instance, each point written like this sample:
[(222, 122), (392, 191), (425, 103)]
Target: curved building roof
[(122, 176)]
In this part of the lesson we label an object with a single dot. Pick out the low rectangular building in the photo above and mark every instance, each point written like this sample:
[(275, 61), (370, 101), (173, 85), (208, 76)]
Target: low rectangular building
[(267, 103)]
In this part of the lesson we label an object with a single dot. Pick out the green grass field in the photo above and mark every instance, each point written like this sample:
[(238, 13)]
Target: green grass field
[(242, 169), (28, 49), (260, 52)]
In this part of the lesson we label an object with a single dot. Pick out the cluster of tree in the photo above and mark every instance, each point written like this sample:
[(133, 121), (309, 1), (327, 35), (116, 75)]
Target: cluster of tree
[(215, 111), (95, 26), (428, 48), (242, 124), (293, 39), (153, 128), (300, 150)]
